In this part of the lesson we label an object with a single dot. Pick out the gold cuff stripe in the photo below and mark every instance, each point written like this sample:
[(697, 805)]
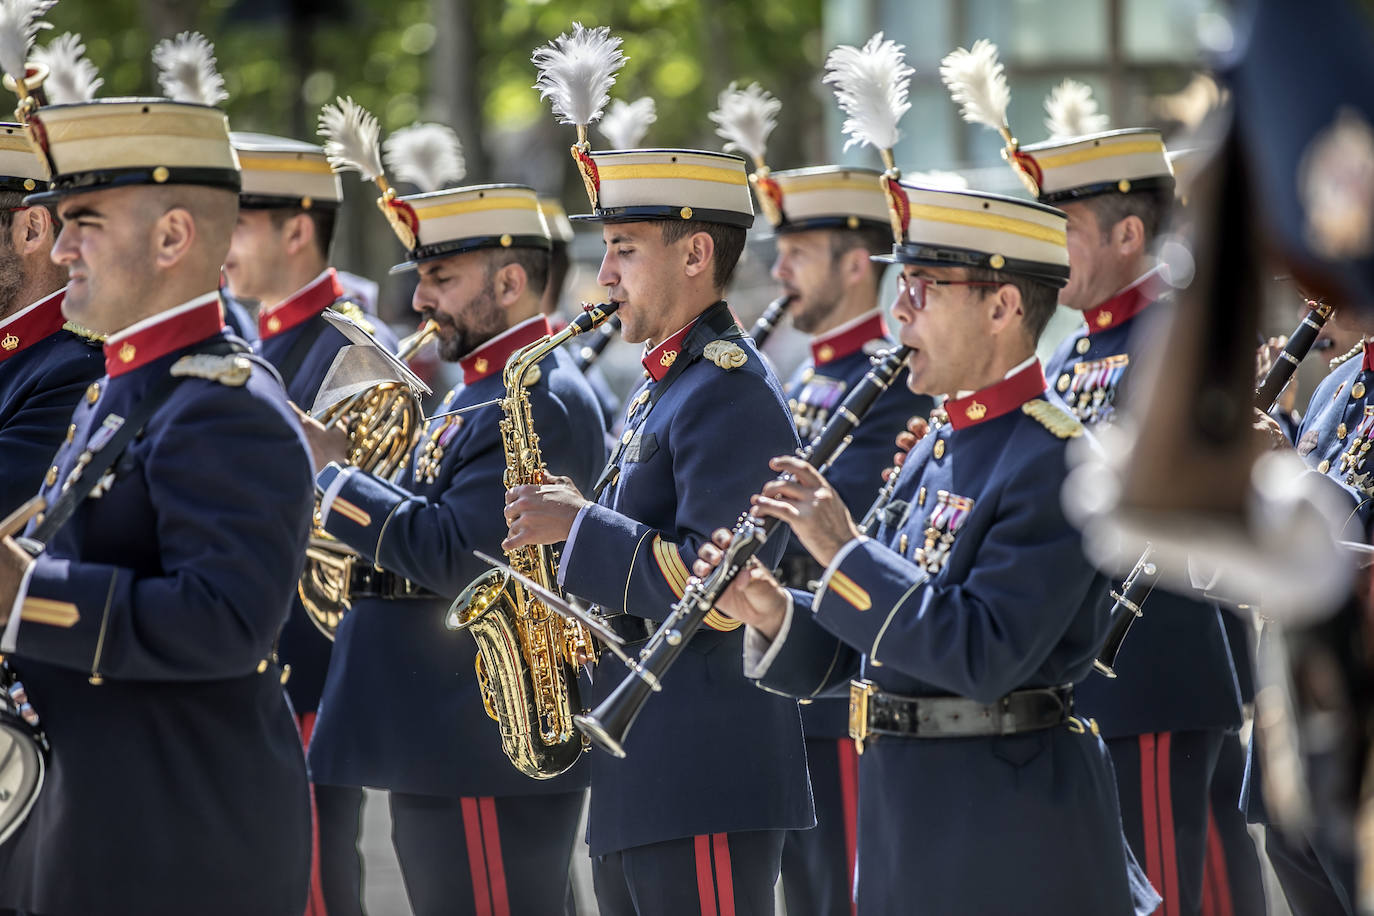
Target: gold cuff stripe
[(718, 621), (1093, 153), (981, 220), (672, 172), (250, 163), (460, 207), (353, 513), (670, 565), (53, 613), (849, 590)]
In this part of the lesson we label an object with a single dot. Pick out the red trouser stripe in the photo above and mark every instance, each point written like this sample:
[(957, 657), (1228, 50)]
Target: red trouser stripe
[(849, 802), (725, 879), (477, 864), (1166, 821), (496, 870), (706, 887), (1216, 883), (1149, 811), (314, 903)]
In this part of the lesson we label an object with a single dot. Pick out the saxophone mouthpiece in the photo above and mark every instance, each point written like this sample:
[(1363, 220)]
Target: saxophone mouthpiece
[(593, 315)]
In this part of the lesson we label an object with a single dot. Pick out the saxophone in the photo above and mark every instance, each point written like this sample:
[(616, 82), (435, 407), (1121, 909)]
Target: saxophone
[(528, 656)]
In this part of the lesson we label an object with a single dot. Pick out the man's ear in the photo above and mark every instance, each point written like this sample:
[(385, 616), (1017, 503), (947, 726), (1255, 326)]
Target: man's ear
[(34, 231), (510, 283), (172, 237), (700, 250), (1128, 235), (298, 233), (1005, 307), (855, 267)]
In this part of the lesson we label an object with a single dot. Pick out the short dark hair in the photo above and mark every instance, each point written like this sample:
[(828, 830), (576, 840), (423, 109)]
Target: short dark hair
[(728, 241), (533, 261), (1151, 205), (12, 201), (559, 262), (1038, 299), (872, 239), (324, 219)]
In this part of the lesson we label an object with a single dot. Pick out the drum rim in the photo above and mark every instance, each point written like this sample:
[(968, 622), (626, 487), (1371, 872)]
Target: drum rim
[(11, 722)]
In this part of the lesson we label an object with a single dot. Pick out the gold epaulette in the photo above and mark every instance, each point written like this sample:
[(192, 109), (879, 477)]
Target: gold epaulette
[(354, 313), (1054, 418), (725, 353), (86, 333), (232, 370)]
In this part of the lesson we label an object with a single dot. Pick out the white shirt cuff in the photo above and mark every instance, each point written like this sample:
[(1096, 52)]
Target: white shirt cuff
[(10, 637), (568, 544), (835, 564), (335, 486), (758, 652)]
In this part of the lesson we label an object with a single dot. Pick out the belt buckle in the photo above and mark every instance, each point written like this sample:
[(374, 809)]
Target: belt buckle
[(859, 692)]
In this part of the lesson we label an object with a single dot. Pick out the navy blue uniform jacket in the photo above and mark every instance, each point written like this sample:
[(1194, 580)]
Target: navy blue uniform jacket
[(177, 780), (688, 468), (975, 586), (1175, 671), (41, 379), (401, 708)]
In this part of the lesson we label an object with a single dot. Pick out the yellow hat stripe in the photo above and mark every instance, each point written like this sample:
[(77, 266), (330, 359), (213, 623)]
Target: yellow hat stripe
[(993, 221), (53, 613), (92, 126), (670, 565), (830, 183), (849, 590), (251, 163), (671, 171), (1093, 153), (478, 205)]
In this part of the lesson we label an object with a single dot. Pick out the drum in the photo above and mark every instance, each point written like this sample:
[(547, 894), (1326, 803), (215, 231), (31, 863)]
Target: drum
[(23, 763)]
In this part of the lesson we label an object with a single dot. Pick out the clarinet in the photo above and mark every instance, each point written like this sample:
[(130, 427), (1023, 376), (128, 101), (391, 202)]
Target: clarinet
[(1142, 577), (596, 343), (769, 319), (608, 724)]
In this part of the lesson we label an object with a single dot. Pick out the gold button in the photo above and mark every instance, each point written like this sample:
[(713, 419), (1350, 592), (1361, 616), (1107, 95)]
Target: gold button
[(921, 497), (1324, 466), (1083, 345), (939, 448), (71, 433), (506, 240), (685, 213), (997, 262), (160, 174), (628, 435), (1123, 186), (1357, 391), (1341, 431), (30, 184), (51, 478), (1063, 383), (852, 222), (307, 202), (95, 680), (93, 392), (262, 666)]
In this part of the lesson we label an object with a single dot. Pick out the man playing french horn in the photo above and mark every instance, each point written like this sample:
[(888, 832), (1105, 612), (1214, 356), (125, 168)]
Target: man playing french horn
[(402, 707)]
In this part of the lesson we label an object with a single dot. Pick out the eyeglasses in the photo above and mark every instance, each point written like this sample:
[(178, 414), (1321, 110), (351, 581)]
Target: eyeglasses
[(913, 289)]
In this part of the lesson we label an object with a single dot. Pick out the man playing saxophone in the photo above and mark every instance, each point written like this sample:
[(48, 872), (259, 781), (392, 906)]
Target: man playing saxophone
[(401, 708)]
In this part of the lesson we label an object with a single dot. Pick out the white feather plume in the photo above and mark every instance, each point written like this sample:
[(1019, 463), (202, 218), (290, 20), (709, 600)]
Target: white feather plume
[(977, 84), (871, 86), (576, 72), (745, 117), (428, 156), (19, 24), (625, 123), (71, 76), (186, 69), (937, 178), (1072, 111), (350, 135)]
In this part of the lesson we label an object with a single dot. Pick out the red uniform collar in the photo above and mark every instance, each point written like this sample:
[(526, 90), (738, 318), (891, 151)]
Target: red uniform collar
[(658, 360), (491, 356), (301, 306), (1126, 304), (848, 338), (998, 399), (36, 322), (163, 333), (1368, 362)]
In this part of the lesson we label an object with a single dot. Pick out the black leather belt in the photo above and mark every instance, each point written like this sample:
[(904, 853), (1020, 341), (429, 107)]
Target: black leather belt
[(366, 581), (631, 628), (800, 572), (873, 712)]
